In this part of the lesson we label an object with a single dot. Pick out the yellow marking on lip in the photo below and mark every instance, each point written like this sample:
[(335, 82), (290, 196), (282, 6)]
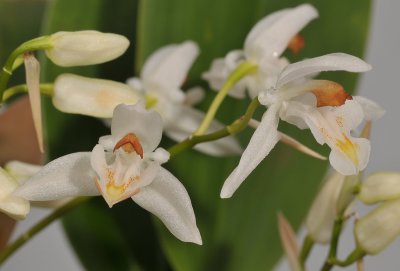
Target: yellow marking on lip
[(348, 148), (151, 101)]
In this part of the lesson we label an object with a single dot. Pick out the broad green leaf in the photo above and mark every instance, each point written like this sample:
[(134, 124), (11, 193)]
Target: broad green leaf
[(123, 237), (240, 233)]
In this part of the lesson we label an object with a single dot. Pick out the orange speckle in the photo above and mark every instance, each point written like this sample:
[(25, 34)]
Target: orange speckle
[(296, 44), (130, 143)]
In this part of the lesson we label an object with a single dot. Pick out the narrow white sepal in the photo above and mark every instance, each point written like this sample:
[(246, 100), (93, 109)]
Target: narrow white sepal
[(32, 69), (168, 199), (329, 62), (261, 143), (68, 176)]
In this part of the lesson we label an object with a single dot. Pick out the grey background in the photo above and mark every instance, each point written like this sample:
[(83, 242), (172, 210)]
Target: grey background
[(50, 251)]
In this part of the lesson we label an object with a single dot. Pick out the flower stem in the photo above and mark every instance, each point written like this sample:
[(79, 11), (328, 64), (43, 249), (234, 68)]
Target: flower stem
[(9, 250), (31, 45), (241, 71), (235, 127), (337, 229), (46, 89)]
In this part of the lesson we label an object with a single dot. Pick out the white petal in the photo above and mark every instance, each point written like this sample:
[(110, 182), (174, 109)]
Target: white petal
[(194, 96), (187, 121), (263, 25), (68, 176), (261, 143), (169, 65), (341, 162), (372, 111), (217, 75), (147, 125), (329, 62), (85, 47), (21, 171), (349, 115), (168, 199), (89, 96), (380, 186), (277, 31), (32, 69)]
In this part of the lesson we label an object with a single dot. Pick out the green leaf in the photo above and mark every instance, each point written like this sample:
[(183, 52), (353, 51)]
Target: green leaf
[(240, 233)]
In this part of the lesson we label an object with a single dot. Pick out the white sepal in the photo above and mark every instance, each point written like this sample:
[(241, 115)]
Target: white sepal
[(167, 199), (261, 143), (68, 176)]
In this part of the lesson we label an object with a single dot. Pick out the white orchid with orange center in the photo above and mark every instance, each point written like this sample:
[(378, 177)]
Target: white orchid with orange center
[(125, 164), (320, 105), (263, 47)]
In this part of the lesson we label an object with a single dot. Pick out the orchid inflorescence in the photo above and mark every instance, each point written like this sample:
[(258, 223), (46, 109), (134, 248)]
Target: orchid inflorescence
[(127, 163)]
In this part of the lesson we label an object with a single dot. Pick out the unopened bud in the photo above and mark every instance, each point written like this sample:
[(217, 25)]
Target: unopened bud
[(13, 206), (89, 96), (322, 214), (87, 47), (379, 228), (380, 186)]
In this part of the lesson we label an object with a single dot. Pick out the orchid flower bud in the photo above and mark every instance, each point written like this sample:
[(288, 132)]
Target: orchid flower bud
[(380, 186), (87, 47), (13, 206), (379, 228), (322, 214)]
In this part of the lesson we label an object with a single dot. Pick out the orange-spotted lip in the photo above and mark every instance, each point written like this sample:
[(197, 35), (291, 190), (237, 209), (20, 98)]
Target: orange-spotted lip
[(130, 143)]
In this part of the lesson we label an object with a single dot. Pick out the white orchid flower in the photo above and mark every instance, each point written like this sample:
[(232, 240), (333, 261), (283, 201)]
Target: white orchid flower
[(329, 113), (159, 84), (263, 47), (125, 164)]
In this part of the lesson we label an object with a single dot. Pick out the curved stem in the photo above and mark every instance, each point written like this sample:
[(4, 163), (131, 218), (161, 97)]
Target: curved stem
[(9, 250), (31, 45), (46, 89), (235, 127), (241, 71), (337, 229)]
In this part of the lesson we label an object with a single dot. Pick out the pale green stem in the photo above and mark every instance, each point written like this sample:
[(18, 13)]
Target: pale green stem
[(236, 126), (46, 89), (241, 71), (57, 213), (32, 45)]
